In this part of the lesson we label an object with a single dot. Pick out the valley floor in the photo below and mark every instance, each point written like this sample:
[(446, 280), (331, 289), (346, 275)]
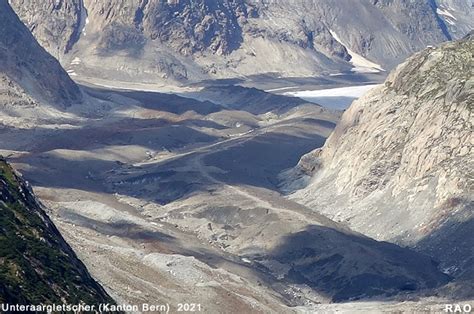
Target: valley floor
[(165, 204)]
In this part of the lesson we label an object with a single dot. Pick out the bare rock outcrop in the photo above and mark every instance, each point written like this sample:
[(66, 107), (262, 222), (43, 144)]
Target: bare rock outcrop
[(55, 23), (399, 164)]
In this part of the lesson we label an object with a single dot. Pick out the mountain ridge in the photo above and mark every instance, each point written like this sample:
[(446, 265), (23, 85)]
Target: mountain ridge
[(186, 40)]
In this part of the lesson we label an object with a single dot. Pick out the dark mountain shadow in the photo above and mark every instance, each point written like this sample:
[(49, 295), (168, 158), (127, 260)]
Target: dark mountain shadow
[(205, 124), (442, 25), (269, 78), (92, 175), (219, 97), (218, 82), (259, 161), (453, 245), (261, 93), (323, 123), (162, 186), (255, 162), (154, 134), (252, 100), (168, 137), (157, 101), (123, 229), (349, 266), (54, 171)]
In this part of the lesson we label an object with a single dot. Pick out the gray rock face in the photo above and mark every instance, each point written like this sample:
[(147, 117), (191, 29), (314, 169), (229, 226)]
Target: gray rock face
[(187, 27), (457, 15), (191, 26), (150, 39), (27, 66), (398, 166), (385, 32), (55, 22)]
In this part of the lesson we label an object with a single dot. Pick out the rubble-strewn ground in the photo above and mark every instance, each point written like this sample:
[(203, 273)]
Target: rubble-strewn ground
[(171, 200)]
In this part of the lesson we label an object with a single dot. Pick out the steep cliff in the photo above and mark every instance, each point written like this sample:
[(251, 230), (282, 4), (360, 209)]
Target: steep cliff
[(399, 164)]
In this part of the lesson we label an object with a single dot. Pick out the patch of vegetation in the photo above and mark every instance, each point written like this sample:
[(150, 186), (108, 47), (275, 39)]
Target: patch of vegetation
[(36, 265), (7, 173)]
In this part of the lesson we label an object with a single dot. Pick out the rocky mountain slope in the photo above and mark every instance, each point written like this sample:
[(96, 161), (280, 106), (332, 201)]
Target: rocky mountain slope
[(399, 165), (457, 16), (27, 72), (36, 265), (148, 40)]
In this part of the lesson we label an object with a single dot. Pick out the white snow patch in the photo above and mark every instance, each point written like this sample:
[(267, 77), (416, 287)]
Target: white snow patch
[(445, 13), (246, 260), (361, 64), (76, 61), (71, 73), (336, 98), (450, 22), (351, 91), (279, 89), (359, 69)]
